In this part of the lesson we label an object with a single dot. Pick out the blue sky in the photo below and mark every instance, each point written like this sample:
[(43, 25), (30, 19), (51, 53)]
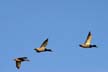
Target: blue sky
[(25, 24)]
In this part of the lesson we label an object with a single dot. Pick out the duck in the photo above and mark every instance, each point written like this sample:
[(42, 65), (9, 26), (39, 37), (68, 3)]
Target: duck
[(19, 60), (87, 43), (43, 48)]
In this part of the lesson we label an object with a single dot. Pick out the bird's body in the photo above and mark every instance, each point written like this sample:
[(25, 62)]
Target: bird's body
[(19, 60), (87, 46), (40, 49), (87, 43), (43, 48)]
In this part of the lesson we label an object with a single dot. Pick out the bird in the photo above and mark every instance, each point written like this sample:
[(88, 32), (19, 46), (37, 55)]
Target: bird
[(43, 48), (87, 43), (19, 60)]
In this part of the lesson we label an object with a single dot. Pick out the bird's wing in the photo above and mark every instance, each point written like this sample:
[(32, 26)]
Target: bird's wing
[(18, 64), (88, 39), (22, 58), (44, 44)]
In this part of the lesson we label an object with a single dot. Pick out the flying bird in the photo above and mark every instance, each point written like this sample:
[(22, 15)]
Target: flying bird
[(19, 60), (87, 43), (43, 48)]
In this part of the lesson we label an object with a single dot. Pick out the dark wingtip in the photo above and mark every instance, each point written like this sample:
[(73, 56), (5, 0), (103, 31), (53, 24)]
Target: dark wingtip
[(24, 57), (46, 38), (89, 32)]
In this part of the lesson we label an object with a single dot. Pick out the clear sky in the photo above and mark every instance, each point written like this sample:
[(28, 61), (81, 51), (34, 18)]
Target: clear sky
[(25, 24)]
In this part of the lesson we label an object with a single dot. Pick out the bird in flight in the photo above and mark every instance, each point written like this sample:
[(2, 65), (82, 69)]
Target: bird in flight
[(87, 43), (19, 60), (43, 48)]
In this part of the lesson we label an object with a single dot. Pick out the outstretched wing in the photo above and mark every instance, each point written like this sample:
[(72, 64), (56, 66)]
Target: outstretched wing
[(88, 39), (22, 58), (18, 64), (44, 44)]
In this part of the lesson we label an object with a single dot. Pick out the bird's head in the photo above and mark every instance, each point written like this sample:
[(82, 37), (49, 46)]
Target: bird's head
[(35, 49), (80, 45)]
